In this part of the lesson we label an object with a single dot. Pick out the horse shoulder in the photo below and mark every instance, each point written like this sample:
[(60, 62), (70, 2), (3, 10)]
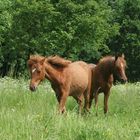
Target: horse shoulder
[(64, 76)]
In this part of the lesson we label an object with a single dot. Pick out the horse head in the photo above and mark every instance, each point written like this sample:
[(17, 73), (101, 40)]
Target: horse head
[(120, 66), (37, 70)]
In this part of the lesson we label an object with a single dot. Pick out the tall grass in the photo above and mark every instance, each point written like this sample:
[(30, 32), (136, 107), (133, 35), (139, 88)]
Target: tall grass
[(32, 116)]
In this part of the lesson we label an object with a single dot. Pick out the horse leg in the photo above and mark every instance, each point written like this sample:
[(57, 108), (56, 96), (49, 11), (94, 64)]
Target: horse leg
[(89, 93), (96, 100), (91, 96), (106, 96), (91, 99), (61, 97), (80, 102), (62, 104), (87, 103), (96, 103)]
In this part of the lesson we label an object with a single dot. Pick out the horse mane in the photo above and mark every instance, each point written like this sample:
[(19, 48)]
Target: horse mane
[(34, 59), (105, 63), (58, 61), (106, 59), (53, 60)]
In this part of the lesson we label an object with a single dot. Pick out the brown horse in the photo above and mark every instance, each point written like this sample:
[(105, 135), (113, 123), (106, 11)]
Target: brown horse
[(67, 78), (102, 77)]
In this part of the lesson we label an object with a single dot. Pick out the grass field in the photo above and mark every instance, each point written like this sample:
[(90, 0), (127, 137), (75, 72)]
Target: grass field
[(32, 116)]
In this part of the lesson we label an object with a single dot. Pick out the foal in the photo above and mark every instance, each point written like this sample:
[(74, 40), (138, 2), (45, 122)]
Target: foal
[(102, 77), (67, 78)]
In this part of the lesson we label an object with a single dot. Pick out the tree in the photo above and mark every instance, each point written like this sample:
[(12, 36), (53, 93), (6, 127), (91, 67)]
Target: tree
[(72, 29), (5, 25), (128, 41)]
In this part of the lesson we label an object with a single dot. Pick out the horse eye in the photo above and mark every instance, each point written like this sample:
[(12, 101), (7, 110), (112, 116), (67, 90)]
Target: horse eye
[(38, 71)]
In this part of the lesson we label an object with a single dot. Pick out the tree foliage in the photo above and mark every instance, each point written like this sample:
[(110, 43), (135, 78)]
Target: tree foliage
[(128, 40), (76, 29)]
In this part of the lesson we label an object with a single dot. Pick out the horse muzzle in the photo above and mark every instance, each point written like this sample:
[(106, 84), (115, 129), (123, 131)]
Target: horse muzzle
[(123, 80), (32, 88)]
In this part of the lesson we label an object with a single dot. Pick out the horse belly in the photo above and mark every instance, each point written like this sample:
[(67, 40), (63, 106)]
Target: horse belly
[(79, 81)]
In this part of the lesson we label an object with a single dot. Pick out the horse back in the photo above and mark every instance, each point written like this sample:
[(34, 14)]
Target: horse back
[(92, 66)]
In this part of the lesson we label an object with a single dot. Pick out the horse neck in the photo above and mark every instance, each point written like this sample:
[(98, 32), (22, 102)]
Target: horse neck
[(52, 74), (106, 69)]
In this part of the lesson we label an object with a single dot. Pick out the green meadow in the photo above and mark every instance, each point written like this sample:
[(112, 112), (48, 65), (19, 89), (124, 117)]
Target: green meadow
[(26, 115)]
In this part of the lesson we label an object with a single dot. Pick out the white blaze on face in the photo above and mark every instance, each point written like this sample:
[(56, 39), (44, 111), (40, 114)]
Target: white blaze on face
[(33, 70), (122, 66)]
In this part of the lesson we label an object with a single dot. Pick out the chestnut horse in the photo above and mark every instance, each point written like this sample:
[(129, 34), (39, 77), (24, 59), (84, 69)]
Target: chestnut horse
[(67, 78), (102, 77)]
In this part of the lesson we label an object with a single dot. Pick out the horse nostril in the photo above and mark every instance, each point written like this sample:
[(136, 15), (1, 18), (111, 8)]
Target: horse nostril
[(123, 81), (32, 88)]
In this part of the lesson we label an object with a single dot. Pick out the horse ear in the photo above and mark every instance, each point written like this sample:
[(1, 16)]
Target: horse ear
[(31, 56), (116, 57), (123, 56), (30, 62), (42, 61)]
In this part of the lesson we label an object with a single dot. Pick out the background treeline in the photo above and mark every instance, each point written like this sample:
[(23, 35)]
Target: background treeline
[(75, 29)]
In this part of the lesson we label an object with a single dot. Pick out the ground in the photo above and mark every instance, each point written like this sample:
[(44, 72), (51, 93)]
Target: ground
[(33, 116)]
